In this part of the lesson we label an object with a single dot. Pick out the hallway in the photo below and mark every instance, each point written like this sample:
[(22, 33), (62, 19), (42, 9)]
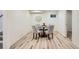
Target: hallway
[(59, 42)]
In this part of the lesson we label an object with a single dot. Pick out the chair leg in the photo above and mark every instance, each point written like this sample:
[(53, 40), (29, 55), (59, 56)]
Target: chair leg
[(52, 35), (39, 34), (33, 35), (48, 36), (36, 36)]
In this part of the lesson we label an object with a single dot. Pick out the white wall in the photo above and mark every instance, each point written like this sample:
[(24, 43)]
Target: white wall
[(75, 27), (16, 25), (45, 18), (61, 23)]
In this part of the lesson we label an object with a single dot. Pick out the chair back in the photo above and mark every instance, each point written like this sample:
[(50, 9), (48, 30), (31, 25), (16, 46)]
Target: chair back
[(50, 28), (34, 29), (38, 27)]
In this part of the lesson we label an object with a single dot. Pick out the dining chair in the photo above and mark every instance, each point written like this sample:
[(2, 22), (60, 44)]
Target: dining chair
[(35, 32), (50, 31)]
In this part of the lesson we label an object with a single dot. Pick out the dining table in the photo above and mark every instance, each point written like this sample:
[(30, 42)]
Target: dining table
[(43, 29)]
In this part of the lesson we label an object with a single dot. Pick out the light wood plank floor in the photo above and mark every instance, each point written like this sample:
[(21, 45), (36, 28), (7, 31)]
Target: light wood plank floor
[(58, 42)]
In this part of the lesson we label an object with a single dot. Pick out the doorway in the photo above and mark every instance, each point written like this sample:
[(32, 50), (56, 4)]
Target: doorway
[(69, 24)]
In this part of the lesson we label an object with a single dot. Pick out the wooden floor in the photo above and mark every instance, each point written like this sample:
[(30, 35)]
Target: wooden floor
[(58, 42)]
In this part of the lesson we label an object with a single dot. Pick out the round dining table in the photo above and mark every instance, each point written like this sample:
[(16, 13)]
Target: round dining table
[(43, 29)]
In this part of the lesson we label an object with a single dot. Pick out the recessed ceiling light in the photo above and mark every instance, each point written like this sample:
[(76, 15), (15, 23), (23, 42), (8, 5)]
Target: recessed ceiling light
[(36, 11)]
